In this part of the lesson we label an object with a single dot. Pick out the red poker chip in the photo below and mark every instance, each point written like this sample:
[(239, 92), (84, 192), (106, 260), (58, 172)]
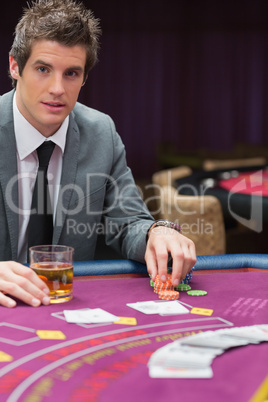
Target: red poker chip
[(159, 285), (162, 286), (168, 295)]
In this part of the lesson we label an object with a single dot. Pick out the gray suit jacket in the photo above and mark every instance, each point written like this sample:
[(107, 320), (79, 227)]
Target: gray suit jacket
[(97, 195)]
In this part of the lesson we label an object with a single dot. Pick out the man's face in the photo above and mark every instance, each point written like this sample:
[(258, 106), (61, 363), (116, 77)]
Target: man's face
[(50, 83)]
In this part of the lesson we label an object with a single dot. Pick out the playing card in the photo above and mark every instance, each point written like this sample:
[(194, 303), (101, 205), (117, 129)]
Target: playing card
[(89, 316), (171, 308), (147, 307), (264, 329), (192, 356), (159, 307), (214, 340), (201, 350), (160, 372), (178, 356)]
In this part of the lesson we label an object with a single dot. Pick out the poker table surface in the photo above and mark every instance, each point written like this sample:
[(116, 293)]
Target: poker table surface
[(237, 190), (44, 358)]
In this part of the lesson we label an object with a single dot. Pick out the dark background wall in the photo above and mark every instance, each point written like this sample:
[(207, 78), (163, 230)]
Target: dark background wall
[(190, 73)]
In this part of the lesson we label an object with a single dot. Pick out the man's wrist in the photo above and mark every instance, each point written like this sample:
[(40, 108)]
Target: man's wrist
[(164, 223)]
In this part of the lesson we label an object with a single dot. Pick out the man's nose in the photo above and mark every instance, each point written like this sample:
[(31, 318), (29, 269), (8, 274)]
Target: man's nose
[(56, 86)]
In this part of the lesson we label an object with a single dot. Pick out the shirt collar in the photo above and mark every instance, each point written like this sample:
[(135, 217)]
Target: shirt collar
[(28, 138)]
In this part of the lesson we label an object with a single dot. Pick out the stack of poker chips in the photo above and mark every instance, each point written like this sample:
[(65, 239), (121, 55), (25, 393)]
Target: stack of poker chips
[(165, 290)]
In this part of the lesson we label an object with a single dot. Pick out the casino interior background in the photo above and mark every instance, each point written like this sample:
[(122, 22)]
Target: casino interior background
[(183, 80)]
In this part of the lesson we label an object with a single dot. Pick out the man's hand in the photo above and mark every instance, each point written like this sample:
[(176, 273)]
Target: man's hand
[(21, 282), (163, 242)]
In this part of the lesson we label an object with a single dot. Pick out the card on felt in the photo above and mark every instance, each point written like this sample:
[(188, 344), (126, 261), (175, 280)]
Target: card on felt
[(147, 307), (159, 307), (171, 308), (89, 316), (161, 372), (214, 339), (191, 357), (179, 356)]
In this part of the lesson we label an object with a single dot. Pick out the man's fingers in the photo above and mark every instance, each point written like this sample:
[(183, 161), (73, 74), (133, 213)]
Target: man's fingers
[(162, 263), (156, 261), (161, 244), (35, 284), (31, 276), (181, 264), (151, 263), (22, 283), (6, 301), (184, 261), (28, 293), (193, 254)]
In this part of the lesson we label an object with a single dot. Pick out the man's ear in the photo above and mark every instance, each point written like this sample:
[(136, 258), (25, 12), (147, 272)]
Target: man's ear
[(84, 80), (13, 68)]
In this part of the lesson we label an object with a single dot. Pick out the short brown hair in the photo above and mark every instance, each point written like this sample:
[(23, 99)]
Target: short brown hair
[(64, 21)]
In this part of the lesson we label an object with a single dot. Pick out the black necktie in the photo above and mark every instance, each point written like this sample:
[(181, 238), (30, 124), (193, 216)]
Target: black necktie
[(41, 219)]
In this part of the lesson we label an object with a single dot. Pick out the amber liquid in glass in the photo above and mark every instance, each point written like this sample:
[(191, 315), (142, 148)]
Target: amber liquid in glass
[(59, 279)]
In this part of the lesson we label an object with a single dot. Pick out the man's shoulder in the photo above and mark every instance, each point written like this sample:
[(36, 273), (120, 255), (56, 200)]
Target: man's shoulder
[(87, 113), (90, 120), (8, 95), (6, 102)]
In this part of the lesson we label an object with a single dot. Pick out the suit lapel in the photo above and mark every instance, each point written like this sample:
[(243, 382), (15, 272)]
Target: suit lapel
[(69, 171), (8, 169), (8, 172)]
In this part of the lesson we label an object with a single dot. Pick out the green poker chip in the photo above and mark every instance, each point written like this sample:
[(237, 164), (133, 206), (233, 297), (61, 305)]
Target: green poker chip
[(197, 292), (182, 286), (151, 282)]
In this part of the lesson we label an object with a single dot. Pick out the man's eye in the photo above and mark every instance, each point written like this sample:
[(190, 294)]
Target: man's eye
[(42, 69), (71, 73)]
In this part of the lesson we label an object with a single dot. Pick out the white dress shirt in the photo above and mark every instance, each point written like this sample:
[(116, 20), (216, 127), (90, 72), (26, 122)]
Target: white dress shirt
[(28, 139)]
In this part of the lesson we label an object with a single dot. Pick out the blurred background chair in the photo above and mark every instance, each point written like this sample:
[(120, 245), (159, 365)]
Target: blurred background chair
[(236, 238), (167, 177), (200, 217), (241, 238), (213, 164)]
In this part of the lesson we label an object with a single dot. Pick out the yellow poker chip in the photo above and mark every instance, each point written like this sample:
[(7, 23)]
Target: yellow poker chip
[(201, 311), (126, 321), (4, 357), (46, 334)]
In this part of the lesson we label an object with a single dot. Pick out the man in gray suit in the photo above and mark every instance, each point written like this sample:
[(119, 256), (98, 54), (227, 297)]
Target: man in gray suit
[(92, 190)]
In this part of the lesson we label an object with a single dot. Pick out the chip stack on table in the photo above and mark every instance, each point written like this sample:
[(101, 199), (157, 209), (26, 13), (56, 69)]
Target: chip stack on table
[(165, 290), (182, 286), (168, 294), (159, 285)]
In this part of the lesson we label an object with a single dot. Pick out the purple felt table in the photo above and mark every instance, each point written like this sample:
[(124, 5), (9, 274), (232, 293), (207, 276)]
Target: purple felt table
[(108, 362)]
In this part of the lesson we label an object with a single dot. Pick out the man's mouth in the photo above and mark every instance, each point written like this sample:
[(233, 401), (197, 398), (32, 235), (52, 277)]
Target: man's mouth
[(55, 104)]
